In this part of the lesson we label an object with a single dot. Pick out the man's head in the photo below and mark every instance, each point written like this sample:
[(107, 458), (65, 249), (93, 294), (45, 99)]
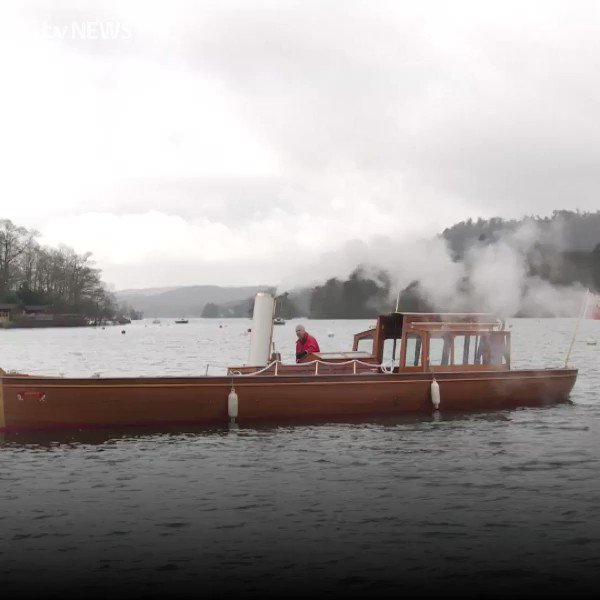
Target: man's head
[(300, 331)]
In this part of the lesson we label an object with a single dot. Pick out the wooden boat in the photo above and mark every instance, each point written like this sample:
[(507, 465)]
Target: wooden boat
[(410, 362)]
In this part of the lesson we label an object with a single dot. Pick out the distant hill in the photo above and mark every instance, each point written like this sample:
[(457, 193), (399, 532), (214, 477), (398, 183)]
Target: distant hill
[(185, 301), (145, 291), (289, 305)]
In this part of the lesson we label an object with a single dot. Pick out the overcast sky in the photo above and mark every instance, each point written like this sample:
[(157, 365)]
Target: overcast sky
[(241, 142)]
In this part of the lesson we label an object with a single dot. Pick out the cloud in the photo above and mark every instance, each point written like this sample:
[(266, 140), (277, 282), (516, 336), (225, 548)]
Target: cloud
[(284, 131)]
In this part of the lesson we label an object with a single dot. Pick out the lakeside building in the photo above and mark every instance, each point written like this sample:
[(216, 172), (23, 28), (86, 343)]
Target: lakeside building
[(14, 315)]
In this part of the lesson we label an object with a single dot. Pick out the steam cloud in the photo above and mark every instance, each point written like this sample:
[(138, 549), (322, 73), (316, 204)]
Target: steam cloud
[(493, 275)]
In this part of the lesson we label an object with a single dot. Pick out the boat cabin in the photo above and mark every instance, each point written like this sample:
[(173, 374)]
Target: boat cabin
[(426, 342)]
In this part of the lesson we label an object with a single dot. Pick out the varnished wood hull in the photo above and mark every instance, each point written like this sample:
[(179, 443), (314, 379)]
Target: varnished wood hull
[(44, 403)]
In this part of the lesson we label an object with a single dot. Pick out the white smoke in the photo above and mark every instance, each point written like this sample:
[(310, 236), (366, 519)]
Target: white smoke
[(493, 275)]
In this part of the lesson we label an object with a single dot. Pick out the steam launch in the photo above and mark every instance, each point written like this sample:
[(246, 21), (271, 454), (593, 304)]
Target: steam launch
[(408, 363)]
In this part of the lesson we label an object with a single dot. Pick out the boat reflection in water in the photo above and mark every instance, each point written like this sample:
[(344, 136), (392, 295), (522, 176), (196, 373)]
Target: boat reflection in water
[(408, 363), (97, 436)]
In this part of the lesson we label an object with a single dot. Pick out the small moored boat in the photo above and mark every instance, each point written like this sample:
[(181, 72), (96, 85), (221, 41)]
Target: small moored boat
[(408, 363), (181, 321), (278, 321)]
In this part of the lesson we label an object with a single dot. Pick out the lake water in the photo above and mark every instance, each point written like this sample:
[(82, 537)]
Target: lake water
[(496, 502)]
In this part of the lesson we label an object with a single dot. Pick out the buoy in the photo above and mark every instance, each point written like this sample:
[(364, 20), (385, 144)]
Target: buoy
[(232, 404), (122, 331), (435, 394)]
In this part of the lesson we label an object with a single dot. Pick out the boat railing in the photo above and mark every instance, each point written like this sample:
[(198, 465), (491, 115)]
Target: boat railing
[(274, 365)]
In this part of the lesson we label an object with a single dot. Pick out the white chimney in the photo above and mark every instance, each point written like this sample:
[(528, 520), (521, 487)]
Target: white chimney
[(262, 330)]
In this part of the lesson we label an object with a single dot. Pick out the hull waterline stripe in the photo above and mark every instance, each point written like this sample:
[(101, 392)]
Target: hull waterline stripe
[(238, 382)]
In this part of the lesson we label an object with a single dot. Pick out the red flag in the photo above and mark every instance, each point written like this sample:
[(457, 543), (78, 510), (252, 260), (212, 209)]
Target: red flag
[(592, 307)]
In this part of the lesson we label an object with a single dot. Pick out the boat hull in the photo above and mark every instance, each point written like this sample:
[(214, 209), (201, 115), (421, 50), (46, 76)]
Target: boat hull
[(29, 402)]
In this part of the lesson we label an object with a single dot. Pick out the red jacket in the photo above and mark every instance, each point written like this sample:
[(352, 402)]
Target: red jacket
[(307, 344)]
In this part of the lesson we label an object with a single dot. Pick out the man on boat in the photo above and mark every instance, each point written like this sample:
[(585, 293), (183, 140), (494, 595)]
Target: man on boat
[(305, 344)]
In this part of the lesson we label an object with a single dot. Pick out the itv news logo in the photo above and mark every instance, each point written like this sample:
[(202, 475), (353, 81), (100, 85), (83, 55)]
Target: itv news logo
[(84, 30)]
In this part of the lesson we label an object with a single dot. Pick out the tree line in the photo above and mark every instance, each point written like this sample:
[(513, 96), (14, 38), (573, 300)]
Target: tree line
[(33, 274), (362, 295)]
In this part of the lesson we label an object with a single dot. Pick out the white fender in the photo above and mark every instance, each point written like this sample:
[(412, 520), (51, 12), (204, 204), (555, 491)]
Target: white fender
[(435, 394), (232, 404)]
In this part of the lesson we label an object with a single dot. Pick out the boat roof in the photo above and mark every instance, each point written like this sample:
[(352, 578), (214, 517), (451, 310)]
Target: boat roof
[(441, 315), (448, 320), (397, 321)]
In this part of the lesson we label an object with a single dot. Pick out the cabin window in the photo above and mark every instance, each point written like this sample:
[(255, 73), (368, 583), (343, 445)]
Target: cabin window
[(464, 349), (439, 350), (413, 350), (391, 352), (486, 349), (365, 345), (495, 349)]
